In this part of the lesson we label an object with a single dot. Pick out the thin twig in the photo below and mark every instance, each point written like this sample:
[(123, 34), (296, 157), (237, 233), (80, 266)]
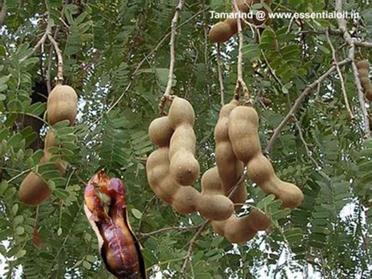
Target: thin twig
[(308, 152), (342, 81), (59, 76), (18, 175), (240, 84), (40, 42), (298, 103), (167, 229), (191, 246), (168, 89), (220, 75)]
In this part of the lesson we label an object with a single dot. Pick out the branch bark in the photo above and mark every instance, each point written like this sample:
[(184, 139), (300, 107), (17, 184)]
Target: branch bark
[(298, 102), (352, 42), (168, 89), (3, 11)]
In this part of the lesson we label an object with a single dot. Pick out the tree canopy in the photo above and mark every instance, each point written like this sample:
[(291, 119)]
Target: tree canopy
[(303, 81)]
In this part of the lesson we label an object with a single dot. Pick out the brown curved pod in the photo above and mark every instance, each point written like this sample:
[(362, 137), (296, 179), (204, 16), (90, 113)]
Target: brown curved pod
[(33, 190), (62, 104)]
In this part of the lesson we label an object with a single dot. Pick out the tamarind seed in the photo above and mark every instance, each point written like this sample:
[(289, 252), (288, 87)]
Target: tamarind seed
[(160, 131), (33, 190), (362, 64), (62, 104), (181, 112)]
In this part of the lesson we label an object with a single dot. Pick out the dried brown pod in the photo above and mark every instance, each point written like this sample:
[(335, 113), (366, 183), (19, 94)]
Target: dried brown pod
[(262, 173), (241, 229), (160, 131), (214, 205), (243, 133), (362, 64), (33, 190), (62, 104), (229, 167)]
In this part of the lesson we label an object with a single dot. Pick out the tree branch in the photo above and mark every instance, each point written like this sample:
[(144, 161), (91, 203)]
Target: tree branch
[(220, 75), (58, 51), (334, 57), (298, 103), (168, 89), (352, 42), (3, 11), (240, 84)]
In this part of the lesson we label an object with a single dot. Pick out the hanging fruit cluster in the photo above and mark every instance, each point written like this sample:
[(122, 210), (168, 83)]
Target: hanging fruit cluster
[(61, 105), (224, 30), (363, 68), (172, 169), (105, 208)]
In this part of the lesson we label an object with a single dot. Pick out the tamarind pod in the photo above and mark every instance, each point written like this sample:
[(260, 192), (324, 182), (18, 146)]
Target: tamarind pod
[(118, 246), (369, 93), (186, 199), (157, 166), (243, 133), (181, 112), (60, 164), (211, 182), (62, 104), (182, 138), (184, 168), (33, 190), (262, 173), (183, 165), (365, 82), (50, 139), (362, 64), (157, 170), (214, 205), (229, 168), (241, 229), (363, 73), (160, 131), (221, 32)]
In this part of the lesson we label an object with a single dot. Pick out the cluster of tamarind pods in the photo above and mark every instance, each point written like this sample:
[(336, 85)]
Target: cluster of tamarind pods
[(363, 69), (224, 30), (61, 105), (172, 169)]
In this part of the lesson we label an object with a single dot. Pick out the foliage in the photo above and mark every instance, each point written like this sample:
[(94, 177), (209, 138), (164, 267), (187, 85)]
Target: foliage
[(103, 42)]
